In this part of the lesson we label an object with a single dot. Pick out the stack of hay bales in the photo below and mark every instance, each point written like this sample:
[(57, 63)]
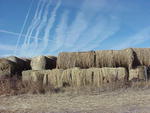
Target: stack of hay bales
[(32, 76), (7, 68), (143, 56), (73, 77), (76, 59), (139, 73), (115, 58), (22, 63), (53, 77), (93, 76), (43, 62)]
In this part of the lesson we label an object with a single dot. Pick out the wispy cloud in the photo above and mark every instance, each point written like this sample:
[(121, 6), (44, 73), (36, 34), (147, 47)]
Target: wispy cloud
[(138, 38), (61, 30), (5, 47), (91, 25), (23, 35), (82, 21)]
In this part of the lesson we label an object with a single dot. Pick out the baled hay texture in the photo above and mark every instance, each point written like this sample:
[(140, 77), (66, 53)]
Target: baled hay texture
[(139, 73), (67, 77), (142, 56), (53, 77), (76, 59), (78, 77), (93, 76), (115, 58), (32, 76), (100, 76), (38, 63), (22, 64), (7, 68), (74, 77), (43, 62)]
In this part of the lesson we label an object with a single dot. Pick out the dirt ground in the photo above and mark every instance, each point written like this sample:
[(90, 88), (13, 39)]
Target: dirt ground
[(121, 101)]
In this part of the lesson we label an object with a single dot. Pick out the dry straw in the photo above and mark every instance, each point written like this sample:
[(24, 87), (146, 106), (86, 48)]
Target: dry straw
[(142, 56), (32, 76), (115, 58), (43, 62), (22, 63), (139, 73), (53, 77), (76, 77), (7, 68), (76, 59), (93, 77)]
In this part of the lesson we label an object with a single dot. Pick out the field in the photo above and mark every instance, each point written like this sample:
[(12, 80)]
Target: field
[(119, 101)]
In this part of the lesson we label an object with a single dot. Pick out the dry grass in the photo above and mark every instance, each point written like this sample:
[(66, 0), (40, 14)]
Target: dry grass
[(116, 97), (14, 86), (120, 101)]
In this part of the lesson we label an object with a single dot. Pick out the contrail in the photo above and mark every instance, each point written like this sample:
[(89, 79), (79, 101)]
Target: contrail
[(23, 35), (42, 23), (33, 22), (20, 35), (11, 33), (26, 37), (36, 21), (50, 25)]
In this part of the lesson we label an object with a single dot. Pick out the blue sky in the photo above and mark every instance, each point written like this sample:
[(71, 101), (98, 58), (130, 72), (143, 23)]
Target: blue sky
[(47, 27)]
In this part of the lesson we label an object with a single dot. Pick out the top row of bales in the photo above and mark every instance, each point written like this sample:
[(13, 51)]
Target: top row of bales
[(13, 66), (128, 58)]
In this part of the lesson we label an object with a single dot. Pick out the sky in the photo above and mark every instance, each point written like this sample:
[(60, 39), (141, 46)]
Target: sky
[(46, 27)]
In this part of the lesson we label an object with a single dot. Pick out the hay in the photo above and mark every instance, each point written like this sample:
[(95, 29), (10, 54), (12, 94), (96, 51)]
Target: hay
[(7, 68), (99, 76), (73, 77), (93, 77), (142, 56), (32, 76), (22, 64), (76, 59), (53, 78), (115, 58), (43, 62), (139, 73)]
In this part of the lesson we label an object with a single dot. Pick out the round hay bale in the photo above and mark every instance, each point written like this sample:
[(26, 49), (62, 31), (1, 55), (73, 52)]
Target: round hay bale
[(139, 73), (43, 62), (7, 68), (76, 59)]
